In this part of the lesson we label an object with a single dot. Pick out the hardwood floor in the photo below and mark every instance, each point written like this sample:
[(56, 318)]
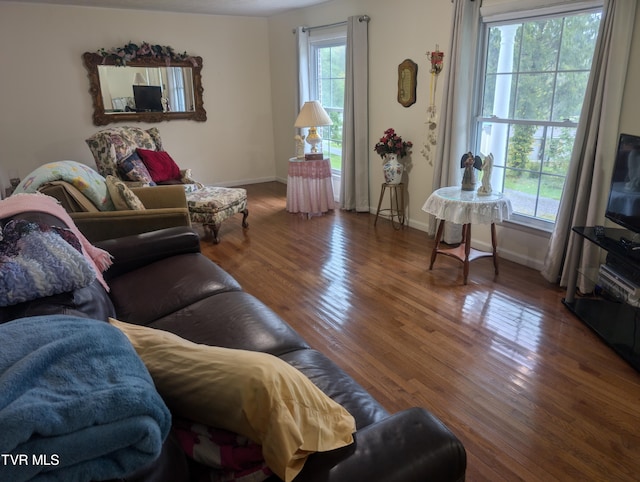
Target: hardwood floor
[(532, 393)]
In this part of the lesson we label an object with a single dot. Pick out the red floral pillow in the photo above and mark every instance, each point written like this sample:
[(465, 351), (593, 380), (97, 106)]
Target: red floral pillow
[(160, 165)]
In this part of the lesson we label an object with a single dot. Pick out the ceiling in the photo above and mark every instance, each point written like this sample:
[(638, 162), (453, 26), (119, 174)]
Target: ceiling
[(254, 8)]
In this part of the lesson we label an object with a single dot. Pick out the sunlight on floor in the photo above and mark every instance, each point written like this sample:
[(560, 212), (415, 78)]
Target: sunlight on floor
[(513, 328), (337, 295)]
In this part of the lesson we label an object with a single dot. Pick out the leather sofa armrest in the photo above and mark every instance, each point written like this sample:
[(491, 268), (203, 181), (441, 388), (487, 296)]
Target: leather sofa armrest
[(156, 197), (408, 446), (132, 252)]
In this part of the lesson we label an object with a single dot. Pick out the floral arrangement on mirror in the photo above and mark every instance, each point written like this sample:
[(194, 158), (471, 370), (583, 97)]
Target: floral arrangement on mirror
[(392, 143), (132, 51)]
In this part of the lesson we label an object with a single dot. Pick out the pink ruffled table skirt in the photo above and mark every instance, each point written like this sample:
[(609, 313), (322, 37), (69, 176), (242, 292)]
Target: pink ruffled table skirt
[(309, 187)]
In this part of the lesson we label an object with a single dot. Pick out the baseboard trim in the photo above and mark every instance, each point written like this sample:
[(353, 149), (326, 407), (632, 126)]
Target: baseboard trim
[(244, 181)]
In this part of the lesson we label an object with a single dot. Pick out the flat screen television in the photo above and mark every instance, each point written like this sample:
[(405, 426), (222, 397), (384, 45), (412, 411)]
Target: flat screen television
[(148, 98), (623, 207)]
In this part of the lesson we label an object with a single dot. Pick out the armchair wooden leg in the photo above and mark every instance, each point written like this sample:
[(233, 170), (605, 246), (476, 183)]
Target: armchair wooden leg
[(214, 228), (245, 213)]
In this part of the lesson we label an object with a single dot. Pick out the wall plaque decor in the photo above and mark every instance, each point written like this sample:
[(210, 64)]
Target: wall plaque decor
[(407, 77)]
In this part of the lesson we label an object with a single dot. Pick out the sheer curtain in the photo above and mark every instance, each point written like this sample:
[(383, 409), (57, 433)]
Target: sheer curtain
[(454, 136), (302, 50), (354, 191), (582, 200)]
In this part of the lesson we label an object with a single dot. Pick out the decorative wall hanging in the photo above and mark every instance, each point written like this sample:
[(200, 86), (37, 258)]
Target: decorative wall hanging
[(435, 58), (407, 75)]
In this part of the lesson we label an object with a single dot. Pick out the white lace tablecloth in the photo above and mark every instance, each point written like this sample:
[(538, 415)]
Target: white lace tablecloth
[(463, 207)]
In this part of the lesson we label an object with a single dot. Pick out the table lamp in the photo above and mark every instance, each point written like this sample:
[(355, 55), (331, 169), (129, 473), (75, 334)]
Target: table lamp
[(139, 79), (313, 115)]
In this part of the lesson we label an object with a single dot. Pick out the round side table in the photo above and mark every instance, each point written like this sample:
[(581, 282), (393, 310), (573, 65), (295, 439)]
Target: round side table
[(466, 208)]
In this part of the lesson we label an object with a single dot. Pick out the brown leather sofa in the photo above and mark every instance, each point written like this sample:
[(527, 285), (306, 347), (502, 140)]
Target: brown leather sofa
[(161, 279)]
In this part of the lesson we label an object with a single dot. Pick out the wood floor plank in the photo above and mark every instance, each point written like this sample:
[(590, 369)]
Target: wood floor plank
[(532, 392)]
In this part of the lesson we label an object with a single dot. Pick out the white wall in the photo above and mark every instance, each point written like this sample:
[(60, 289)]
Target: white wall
[(398, 30), (46, 109)]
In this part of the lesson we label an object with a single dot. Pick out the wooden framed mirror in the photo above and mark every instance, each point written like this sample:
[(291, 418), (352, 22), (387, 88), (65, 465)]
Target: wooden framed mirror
[(407, 76), (146, 89)]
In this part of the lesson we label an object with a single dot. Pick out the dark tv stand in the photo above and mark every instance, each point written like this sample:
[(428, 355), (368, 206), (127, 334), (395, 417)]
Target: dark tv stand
[(610, 313)]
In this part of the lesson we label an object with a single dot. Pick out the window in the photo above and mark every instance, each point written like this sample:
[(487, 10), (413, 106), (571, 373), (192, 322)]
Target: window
[(328, 64), (533, 83), (177, 94)]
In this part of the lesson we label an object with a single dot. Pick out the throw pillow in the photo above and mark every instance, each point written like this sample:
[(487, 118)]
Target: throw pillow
[(123, 198), (38, 260), (133, 169), (253, 394), (160, 165)]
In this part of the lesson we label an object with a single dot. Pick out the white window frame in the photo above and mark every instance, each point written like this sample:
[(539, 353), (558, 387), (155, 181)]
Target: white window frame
[(501, 17), (324, 38)]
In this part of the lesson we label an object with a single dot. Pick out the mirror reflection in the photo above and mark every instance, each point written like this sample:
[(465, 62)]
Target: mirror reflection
[(149, 88), (146, 89)]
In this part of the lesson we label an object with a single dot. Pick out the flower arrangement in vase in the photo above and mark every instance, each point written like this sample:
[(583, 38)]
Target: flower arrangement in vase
[(391, 147)]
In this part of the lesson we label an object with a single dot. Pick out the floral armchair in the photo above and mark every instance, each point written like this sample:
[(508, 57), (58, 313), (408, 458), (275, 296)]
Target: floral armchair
[(116, 150)]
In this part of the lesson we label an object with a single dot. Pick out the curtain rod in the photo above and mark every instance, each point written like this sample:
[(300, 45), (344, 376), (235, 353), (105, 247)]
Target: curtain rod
[(362, 18)]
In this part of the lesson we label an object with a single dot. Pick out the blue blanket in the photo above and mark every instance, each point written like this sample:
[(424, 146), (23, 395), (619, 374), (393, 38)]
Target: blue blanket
[(76, 402)]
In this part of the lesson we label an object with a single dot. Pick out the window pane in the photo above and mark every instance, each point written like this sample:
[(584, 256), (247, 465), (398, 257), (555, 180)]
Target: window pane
[(493, 50), (337, 93), (522, 192), (336, 128), (324, 63), (534, 95), (325, 92), (328, 88), (557, 154), (493, 139), (549, 197), (578, 41), (540, 43), (522, 147), (570, 89), (338, 61)]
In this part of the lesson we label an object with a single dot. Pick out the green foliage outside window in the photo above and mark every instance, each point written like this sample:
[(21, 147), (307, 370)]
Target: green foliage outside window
[(330, 85), (547, 79)]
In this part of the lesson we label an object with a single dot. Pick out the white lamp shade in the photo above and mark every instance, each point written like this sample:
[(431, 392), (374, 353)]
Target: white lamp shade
[(139, 79), (313, 114)]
